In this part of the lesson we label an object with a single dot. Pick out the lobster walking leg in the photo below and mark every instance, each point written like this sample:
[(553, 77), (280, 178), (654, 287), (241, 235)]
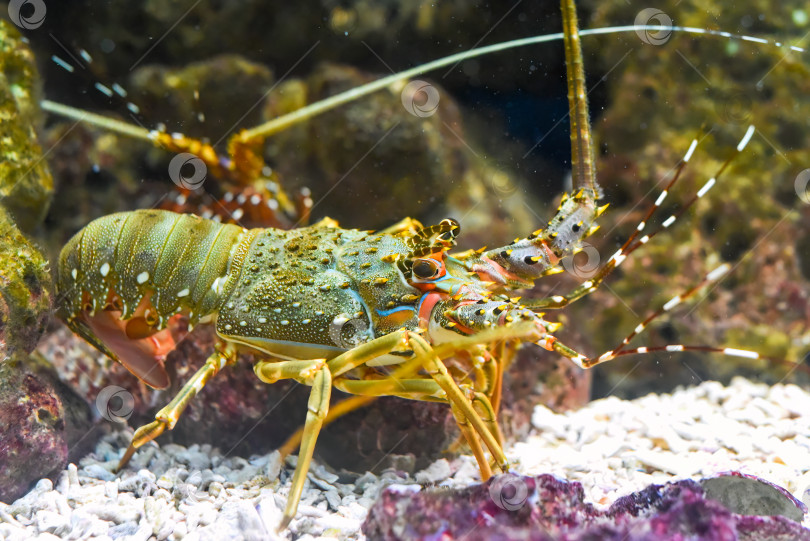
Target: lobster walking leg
[(167, 417), (315, 373), (320, 374), (483, 406), (472, 440), (435, 367), (340, 409), (432, 364), (426, 390)]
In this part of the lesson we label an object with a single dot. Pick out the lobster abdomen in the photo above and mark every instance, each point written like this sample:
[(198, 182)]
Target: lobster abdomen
[(124, 276)]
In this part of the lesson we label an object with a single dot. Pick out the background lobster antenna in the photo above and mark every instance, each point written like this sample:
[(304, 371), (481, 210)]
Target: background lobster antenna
[(290, 119)]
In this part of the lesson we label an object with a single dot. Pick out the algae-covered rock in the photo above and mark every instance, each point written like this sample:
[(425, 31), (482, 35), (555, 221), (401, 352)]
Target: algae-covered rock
[(25, 188), (24, 290), (43, 424), (25, 181)]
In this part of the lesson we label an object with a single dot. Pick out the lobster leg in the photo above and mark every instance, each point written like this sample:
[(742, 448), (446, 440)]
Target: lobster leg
[(167, 417), (319, 374), (366, 391), (425, 390), (492, 377), (340, 409), (472, 440), (484, 408), (430, 362), (315, 373), (435, 367)]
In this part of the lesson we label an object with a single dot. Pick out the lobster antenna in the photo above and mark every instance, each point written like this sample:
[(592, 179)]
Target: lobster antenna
[(314, 109), (582, 156), (93, 119)]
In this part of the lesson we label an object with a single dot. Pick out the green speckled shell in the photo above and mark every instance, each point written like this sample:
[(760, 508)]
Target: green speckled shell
[(314, 292), (305, 293)]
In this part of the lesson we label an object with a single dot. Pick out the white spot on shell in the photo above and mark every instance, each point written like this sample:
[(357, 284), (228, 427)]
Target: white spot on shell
[(74, 273), (142, 277), (262, 320), (105, 269), (218, 284), (183, 293)]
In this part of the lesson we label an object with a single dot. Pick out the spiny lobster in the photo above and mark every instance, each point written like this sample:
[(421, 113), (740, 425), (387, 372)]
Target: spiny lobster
[(371, 314)]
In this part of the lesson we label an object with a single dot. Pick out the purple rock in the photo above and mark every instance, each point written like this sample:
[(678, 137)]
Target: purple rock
[(547, 508), (42, 425)]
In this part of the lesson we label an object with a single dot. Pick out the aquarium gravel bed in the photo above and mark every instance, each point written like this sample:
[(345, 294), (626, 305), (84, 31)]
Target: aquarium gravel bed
[(612, 446)]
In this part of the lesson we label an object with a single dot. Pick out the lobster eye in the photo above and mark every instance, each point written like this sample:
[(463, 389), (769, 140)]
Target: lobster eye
[(425, 269)]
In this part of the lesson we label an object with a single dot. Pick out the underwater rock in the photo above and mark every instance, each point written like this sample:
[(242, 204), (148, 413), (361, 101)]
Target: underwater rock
[(25, 190), (43, 424), (393, 153), (24, 290), (749, 495), (203, 99), (546, 508), (25, 181)]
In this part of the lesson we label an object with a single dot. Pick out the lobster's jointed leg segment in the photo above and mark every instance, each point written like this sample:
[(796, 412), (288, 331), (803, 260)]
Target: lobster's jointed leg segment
[(167, 417), (317, 374), (321, 375)]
